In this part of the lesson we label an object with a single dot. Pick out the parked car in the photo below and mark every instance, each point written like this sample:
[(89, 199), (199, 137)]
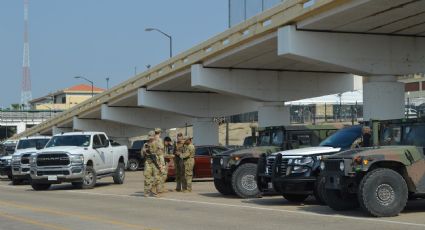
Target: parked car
[(380, 180), (294, 173), (203, 156), (235, 171), (20, 159), (5, 166), (80, 158), (7, 147), (135, 158)]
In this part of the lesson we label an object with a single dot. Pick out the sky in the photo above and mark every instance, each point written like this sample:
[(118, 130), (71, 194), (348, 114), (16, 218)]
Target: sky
[(97, 39)]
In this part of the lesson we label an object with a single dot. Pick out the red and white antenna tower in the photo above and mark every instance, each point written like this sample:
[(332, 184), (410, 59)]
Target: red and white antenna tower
[(26, 94)]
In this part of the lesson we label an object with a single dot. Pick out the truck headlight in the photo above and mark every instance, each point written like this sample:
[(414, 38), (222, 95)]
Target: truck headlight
[(33, 159), (8, 162), (341, 166), (16, 158), (77, 159), (307, 161)]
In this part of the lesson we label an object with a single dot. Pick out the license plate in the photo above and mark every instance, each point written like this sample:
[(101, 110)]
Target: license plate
[(270, 185), (50, 178)]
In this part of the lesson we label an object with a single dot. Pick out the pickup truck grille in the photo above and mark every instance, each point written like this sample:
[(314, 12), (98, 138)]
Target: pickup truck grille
[(332, 165), (25, 159), (53, 159), (3, 162), (269, 165), (49, 173)]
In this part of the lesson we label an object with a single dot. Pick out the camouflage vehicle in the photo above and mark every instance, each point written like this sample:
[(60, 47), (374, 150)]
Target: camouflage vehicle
[(295, 173), (379, 179), (235, 171)]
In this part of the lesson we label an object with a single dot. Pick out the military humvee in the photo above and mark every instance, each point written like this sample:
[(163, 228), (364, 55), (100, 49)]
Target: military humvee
[(379, 179), (235, 171)]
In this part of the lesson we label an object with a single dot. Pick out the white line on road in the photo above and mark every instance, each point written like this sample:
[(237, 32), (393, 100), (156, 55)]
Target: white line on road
[(249, 207)]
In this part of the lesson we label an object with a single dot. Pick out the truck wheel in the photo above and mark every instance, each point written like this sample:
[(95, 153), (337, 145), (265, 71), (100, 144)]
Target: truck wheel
[(40, 187), (339, 201), (295, 198), (10, 177), (223, 187), (133, 164), (319, 189), (119, 174), (16, 181), (383, 193), (243, 181), (89, 180)]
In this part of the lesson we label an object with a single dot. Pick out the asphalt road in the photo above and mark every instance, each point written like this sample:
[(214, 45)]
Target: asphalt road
[(111, 206)]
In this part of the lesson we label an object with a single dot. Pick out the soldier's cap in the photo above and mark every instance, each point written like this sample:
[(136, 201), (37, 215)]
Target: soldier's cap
[(167, 139), (151, 134), (188, 138), (158, 130)]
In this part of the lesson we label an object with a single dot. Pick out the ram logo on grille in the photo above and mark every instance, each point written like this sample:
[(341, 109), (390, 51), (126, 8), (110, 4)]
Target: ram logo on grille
[(53, 159)]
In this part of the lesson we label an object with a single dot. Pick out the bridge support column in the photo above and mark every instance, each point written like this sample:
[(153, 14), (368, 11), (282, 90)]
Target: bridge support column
[(383, 98), (205, 132), (115, 131), (273, 114), (20, 127)]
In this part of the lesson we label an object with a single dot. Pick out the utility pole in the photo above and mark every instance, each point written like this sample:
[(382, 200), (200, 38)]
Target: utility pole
[(26, 94)]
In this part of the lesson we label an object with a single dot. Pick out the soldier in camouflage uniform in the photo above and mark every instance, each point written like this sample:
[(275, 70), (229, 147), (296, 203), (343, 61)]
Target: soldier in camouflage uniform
[(151, 170), (365, 140), (168, 155), (159, 149), (188, 157), (178, 161)]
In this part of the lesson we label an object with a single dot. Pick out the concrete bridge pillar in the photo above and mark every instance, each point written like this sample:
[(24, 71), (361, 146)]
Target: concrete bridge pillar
[(273, 114), (205, 132), (383, 98)]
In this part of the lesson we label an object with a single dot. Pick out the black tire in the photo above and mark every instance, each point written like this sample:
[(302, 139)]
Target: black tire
[(383, 193), (119, 175), (40, 187), (244, 181), (89, 180), (223, 187), (339, 201), (16, 181), (133, 165), (295, 198), (319, 189), (10, 177)]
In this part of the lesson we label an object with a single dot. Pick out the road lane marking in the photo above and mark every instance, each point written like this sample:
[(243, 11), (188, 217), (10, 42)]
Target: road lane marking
[(27, 220), (67, 214), (365, 219)]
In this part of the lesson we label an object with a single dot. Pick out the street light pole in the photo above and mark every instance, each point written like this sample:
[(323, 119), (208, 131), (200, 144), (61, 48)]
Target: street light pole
[(107, 83), (165, 34), (91, 82)]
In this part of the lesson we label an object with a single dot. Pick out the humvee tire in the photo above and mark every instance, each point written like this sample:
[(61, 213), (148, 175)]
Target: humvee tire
[(319, 189), (244, 181), (383, 193), (223, 187), (338, 201)]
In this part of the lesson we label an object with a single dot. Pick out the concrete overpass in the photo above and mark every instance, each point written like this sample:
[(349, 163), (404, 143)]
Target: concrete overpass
[(296, 50)]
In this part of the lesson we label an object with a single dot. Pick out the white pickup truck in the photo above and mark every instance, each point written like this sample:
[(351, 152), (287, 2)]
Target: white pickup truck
[(80, 158), (20, 158)]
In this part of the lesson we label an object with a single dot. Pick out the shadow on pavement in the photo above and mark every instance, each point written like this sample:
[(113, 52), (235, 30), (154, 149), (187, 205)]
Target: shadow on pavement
[(218, 195)]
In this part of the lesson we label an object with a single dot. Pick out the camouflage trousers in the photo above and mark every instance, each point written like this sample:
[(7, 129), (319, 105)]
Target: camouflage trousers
[(188, 173), (152, 178), (179, 172), (163, 174)]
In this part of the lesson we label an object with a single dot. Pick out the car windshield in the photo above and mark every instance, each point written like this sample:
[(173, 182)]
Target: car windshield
[(69, 140), (343, 138), (31, 143)]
